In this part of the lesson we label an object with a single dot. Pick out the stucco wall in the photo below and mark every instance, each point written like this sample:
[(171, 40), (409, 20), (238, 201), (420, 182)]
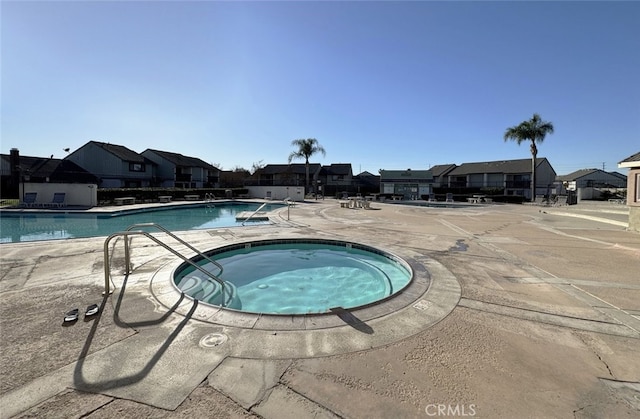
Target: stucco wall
[(77, 194), (634, 219), (633, 198), (278, 193)]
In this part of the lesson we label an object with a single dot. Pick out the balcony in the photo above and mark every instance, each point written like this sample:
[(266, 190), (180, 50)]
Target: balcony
[(518, 184), (183, 177)]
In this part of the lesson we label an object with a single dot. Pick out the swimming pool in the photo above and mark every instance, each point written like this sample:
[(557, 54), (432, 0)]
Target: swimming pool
[(295, 276), (16, 227)]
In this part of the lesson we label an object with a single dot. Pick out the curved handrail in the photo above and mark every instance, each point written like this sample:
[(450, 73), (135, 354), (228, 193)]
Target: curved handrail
[(126, 234), (255, 212), (159, 227)]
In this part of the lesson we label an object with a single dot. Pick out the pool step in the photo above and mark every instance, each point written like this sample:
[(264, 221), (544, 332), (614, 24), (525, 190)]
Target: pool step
[(257, 216), (211, 292), (230, 299)]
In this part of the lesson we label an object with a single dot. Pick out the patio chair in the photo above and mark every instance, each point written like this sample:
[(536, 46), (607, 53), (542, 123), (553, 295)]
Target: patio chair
[(449, 197), (58, 200), (432, 197), (561, 200), (540, 200), (29, 200)]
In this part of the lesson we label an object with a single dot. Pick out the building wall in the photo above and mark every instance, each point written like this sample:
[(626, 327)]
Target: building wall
[(634, 219), (495, 180), (545, 178), (633, 198), (78, 194), (475, 180), (597, 179), (164, 170), (112, 171), (277, 193)]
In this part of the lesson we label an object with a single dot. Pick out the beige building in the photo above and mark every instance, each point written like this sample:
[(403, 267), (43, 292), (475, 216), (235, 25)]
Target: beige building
[(633, 189)]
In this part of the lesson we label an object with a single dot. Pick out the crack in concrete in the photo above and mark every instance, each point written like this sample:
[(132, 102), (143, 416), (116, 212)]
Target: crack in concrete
[(595, 352)]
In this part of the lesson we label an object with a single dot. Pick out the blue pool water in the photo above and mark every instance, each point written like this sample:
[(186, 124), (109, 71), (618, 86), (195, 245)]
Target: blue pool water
[(295, 276), (33, 226)]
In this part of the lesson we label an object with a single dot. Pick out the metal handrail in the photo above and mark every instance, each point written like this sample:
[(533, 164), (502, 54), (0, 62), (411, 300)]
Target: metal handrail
[(159, 227), (126, 234), (254, 213)]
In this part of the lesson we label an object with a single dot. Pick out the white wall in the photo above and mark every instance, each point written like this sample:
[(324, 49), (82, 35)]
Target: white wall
[(277, 193), (77, 194)]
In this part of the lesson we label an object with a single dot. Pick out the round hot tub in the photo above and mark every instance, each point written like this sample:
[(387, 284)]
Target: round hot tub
[(294, 276)]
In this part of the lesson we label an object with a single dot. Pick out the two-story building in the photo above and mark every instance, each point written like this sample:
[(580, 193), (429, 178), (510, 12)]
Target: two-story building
[(590, 183), (593, 178), (174, 170), (406, 184), (114, 165), (337, 177), (287, 174), (46, 177), (440, 172), (511, 176)]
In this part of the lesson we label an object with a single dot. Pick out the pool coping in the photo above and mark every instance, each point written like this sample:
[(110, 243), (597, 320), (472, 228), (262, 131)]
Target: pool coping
[(429, 298), (128, 209)]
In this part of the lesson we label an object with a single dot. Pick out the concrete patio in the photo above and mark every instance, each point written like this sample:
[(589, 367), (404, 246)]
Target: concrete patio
[(517, 311)]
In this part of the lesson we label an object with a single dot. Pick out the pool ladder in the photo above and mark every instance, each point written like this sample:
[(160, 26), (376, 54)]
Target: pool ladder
[(129, 232)]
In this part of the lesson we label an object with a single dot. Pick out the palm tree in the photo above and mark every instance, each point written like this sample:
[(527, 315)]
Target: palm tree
[(533, 130), (306, 148)]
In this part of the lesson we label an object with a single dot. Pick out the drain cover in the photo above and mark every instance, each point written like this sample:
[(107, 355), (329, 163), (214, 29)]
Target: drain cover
[(213, 339)]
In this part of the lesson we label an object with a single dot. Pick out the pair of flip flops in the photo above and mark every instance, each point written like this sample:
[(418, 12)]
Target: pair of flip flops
[(72, 315)]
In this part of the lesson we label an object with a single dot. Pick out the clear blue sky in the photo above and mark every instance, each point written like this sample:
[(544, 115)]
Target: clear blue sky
[(381, 85)]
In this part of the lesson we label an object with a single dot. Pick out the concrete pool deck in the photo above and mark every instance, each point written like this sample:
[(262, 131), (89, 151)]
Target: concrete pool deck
[(531, 312)]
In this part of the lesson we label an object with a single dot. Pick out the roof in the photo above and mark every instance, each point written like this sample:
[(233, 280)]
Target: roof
[(366, 174), (274, 169), (500, 166), (55, 170), (618, 174), (120, 151), (442, 169), (631, 161), (336, 169), (576, 175), (585, 172), (181, 160), (405, 175)]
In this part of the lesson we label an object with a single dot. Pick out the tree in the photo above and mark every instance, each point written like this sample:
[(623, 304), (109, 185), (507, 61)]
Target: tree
[(306, 148), (257, 166), (534, 130)]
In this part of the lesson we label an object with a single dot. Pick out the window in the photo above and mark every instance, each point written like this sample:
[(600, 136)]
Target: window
[(136, 167)]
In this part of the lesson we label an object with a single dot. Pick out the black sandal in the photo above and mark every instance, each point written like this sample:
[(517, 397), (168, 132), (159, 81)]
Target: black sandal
[(71, 316), (92, 310)]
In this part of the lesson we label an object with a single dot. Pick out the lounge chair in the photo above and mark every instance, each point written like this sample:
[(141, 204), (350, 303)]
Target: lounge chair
[(561, 200), (29, 200), (540, 200), (58, 200)]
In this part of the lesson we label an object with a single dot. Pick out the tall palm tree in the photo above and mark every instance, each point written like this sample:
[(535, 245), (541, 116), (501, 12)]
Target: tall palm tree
[(534, 130), (306, 148)]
